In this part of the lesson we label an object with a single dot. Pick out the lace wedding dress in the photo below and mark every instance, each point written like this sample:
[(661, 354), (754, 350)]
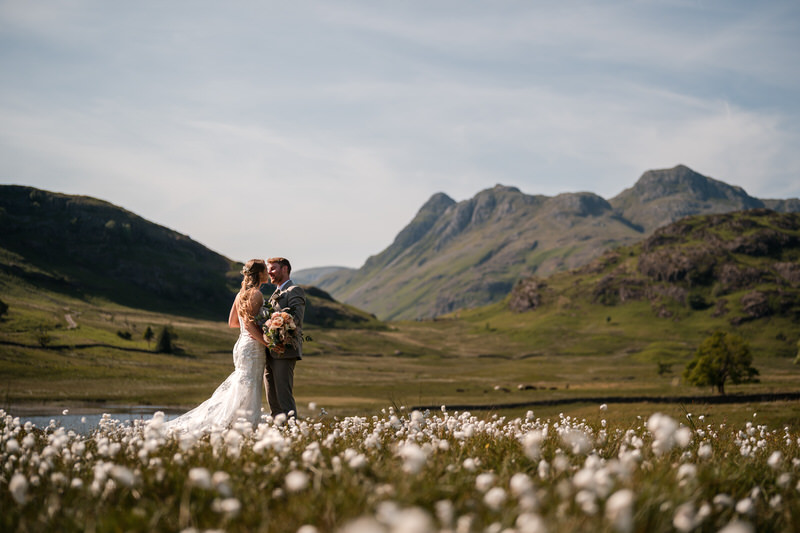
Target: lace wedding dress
[(239, 396)]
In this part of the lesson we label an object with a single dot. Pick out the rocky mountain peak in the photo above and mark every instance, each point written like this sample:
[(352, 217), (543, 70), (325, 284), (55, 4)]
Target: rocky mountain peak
[(580, 204), (437, 203), (656, 184)]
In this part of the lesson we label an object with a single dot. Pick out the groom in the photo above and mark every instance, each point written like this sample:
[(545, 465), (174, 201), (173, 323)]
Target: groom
[(279, 373)]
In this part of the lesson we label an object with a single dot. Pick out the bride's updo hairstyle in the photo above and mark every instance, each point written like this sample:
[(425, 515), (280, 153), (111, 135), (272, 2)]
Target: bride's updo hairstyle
[(251, 279)]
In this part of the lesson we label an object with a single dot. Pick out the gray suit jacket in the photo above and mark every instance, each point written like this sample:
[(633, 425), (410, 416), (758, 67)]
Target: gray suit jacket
[(292, 299)]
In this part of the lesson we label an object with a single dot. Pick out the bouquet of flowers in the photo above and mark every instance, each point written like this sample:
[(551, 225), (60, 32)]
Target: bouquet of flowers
[(280, 331)]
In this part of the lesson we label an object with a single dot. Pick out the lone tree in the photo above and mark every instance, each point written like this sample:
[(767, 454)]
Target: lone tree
[(720, 357), (164, 342), (148, 335)]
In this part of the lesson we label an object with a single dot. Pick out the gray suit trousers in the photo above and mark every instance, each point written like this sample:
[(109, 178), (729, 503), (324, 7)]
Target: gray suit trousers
[(279, 382)]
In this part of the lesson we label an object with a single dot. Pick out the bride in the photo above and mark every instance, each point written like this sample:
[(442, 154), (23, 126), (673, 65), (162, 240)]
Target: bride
[(239, 396)]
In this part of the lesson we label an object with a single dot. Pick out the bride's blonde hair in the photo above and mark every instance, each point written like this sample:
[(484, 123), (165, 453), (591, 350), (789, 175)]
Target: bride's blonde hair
[(251, 279)]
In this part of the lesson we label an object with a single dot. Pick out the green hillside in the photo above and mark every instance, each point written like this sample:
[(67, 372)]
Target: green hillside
[(656, 300), (96, 252), (89, 248)]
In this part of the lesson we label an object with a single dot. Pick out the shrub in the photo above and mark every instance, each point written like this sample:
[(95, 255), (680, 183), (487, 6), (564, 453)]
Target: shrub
[(43, 336)]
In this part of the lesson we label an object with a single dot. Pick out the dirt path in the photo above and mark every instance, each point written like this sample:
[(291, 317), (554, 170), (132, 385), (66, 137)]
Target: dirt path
[(71, 324)]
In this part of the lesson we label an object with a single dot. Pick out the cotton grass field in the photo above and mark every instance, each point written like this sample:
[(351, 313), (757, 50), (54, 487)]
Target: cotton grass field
[(401, 471)]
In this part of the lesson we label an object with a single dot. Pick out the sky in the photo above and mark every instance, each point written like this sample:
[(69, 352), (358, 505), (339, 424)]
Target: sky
[(315, 130)]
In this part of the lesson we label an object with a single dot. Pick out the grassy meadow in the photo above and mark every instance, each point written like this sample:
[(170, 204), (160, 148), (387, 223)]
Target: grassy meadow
[(488, 357), (486, 420)]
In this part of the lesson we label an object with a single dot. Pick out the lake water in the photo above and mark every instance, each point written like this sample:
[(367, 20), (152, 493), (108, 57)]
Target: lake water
[(85, 422)]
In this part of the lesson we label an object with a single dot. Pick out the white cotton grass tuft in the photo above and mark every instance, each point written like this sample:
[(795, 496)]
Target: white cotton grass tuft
[(221, 482), (520, 483), (296, 481), (738, 526), (532, 444), (408, 520), (123, 475), (227, 506), (445, 512), (745, 506), (685, 518), (683, 437), (364, 524), (687, 472), (18, 487), (530, 523), (705, 451), (775, 460), (485, 481), (414, 457), (200, 477), (619, 510), (469, 464), (495, 498), (576, 441), (664, 430), (12, 446)]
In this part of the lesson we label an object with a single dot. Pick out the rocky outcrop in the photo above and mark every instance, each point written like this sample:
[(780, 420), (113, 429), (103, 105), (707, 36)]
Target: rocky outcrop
[(528, 294), (755, 304), (788, 272)]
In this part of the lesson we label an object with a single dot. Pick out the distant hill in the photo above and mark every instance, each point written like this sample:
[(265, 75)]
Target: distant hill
[(739, 267), (309, 276), (90, 248), (455, 255)]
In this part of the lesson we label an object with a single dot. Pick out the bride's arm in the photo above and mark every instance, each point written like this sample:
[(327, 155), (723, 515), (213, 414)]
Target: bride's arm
[(233, 317), (256, 301)]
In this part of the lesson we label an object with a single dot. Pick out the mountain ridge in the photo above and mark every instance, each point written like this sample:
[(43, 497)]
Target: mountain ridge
[(469, 253)]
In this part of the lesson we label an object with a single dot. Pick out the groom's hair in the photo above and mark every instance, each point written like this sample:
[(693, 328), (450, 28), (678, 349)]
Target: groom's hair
[(281, 261)]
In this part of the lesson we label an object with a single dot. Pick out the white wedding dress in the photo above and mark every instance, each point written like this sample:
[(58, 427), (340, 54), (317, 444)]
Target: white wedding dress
[(239, 396)]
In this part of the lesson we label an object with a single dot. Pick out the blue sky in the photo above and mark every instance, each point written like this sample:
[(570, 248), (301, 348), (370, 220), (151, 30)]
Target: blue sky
[(316, 130)]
